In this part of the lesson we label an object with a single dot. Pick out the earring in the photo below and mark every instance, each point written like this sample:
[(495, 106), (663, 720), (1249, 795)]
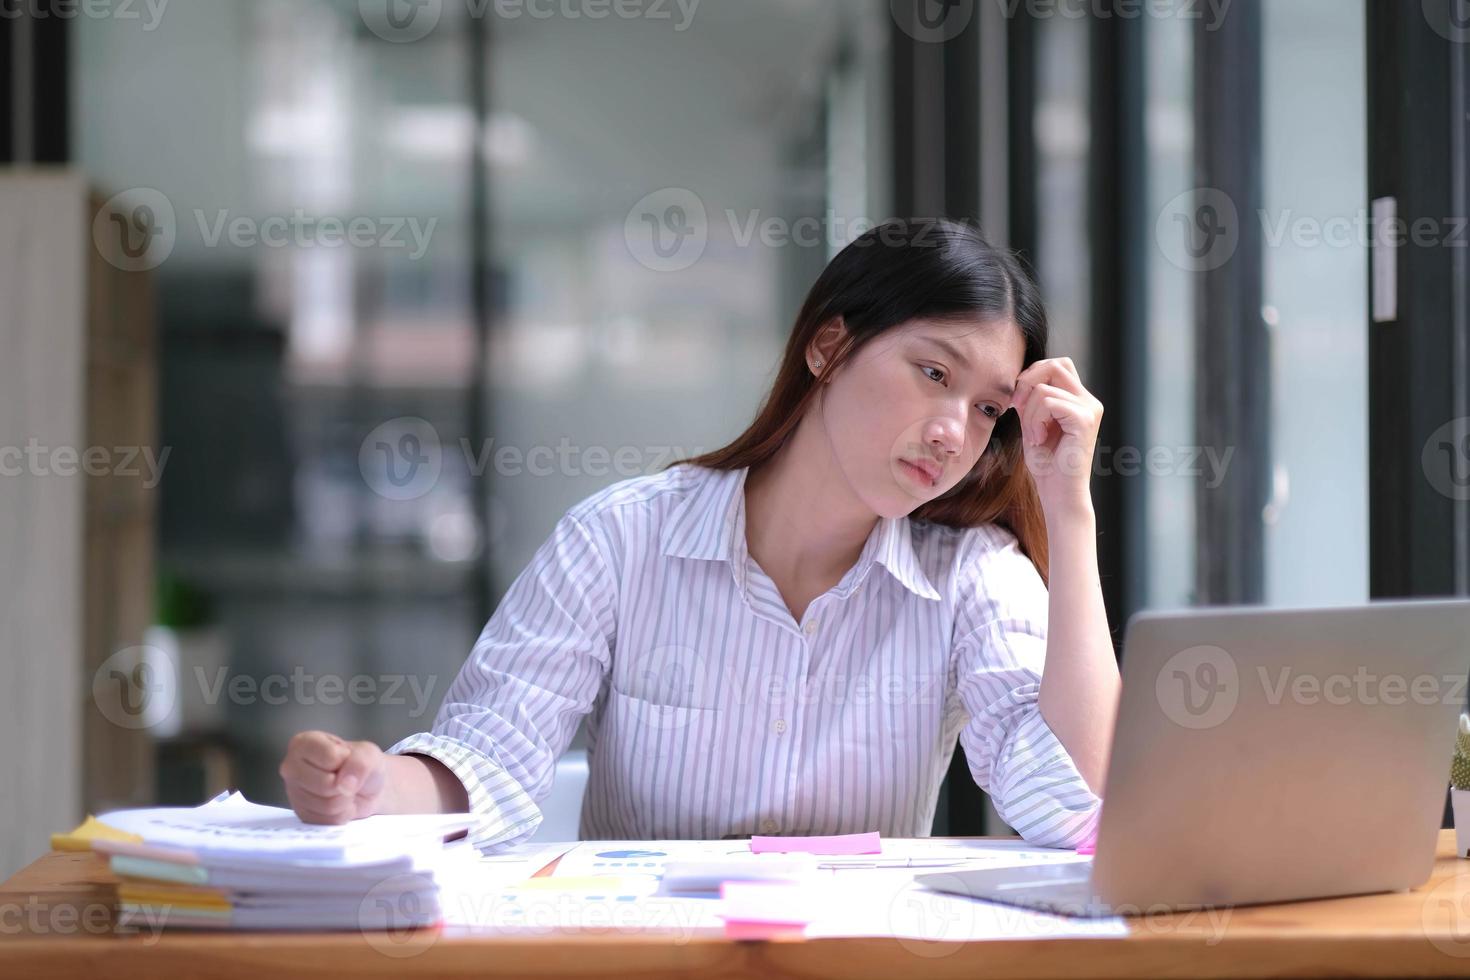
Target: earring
[(819, 364)]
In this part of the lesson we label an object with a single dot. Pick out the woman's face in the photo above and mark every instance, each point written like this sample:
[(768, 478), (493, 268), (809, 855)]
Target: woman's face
[(922, 396)]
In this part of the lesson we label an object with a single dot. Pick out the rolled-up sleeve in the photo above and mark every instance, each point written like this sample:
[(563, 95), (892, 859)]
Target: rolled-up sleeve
[(1000, 652), (535, 671)]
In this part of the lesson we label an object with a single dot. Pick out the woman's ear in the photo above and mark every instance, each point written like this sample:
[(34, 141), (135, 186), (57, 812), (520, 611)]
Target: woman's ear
[(825, 345)]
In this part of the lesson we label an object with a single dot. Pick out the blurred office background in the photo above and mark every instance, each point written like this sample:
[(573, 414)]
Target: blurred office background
[(517, 323)]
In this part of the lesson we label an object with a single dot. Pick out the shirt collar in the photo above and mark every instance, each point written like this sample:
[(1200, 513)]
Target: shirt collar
[(709, 524)]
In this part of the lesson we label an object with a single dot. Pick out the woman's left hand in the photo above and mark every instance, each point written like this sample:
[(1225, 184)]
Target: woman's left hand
[(1059, 424)]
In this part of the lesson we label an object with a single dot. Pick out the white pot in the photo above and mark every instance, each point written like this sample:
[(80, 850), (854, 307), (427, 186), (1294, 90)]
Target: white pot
[(198, 658), (1460, 801)]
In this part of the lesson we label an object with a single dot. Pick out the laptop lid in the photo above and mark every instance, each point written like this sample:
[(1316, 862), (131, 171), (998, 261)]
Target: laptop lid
[(1274, 754)]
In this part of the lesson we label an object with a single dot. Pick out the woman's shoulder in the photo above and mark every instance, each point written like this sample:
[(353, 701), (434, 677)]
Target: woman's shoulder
[(639, 494), (966, 544), (966, 556), (990, 577)]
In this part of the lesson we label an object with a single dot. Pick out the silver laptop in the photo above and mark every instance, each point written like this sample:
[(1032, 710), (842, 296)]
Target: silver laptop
[(1265, 755)]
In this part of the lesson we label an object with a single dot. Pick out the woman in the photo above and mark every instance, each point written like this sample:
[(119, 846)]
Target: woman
[(788, 635)]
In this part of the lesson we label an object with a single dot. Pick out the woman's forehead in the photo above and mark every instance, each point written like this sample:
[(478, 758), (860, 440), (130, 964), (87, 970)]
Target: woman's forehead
[(981, 338)]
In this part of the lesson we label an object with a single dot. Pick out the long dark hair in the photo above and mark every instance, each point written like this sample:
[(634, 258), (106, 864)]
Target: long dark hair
[(901, 270)]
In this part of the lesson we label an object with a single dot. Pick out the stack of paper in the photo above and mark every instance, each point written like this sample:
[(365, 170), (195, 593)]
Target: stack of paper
[(234, 864)]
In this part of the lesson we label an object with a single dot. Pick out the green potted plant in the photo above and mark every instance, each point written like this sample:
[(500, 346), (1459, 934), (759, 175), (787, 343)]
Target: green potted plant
[(1460, 787), (194, 646)]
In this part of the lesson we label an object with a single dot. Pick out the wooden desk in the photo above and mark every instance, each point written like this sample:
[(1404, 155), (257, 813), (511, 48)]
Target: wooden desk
[(1423, 932)]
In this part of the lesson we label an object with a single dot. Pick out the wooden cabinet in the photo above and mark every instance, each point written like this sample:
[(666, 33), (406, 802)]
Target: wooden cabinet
[(77, 502)]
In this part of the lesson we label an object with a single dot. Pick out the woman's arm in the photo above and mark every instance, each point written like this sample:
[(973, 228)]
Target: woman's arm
[(1000, 658), (535, 671), (1080, 685), (329, 779), (422, 784)]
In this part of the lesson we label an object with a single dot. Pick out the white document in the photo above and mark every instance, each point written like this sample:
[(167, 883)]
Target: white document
[(235, 827), (958, 853), (858, 895), (641, 858), (650, 857), (884, 904), (497, 894)]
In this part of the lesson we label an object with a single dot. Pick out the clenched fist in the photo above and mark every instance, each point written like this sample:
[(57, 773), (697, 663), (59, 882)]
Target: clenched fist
[(331, 780)]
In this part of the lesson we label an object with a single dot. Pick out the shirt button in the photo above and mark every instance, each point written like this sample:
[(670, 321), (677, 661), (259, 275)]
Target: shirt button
[(768, 826), (811, 627), (780, 726)]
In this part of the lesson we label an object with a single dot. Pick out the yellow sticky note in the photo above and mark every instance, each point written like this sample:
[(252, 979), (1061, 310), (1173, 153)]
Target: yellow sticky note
[(182, 897), (90, 829)]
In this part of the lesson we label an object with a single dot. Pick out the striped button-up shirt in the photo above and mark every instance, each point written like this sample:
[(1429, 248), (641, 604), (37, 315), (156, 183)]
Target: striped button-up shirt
[(711, 712)]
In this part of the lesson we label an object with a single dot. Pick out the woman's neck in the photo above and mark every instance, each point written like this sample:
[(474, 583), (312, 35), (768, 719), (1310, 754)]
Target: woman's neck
[(802, 520)]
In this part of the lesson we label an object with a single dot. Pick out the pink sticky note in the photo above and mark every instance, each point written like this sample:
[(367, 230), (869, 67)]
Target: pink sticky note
[(764, 931), (837, 844)]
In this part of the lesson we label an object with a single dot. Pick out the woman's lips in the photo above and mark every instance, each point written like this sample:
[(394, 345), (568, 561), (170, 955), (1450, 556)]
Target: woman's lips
[(919, 474)]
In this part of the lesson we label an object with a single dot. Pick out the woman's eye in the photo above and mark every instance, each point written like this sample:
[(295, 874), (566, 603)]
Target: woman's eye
[(989, 411)]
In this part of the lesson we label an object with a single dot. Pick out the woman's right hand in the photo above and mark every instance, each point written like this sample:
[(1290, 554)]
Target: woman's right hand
[(331, 780)]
